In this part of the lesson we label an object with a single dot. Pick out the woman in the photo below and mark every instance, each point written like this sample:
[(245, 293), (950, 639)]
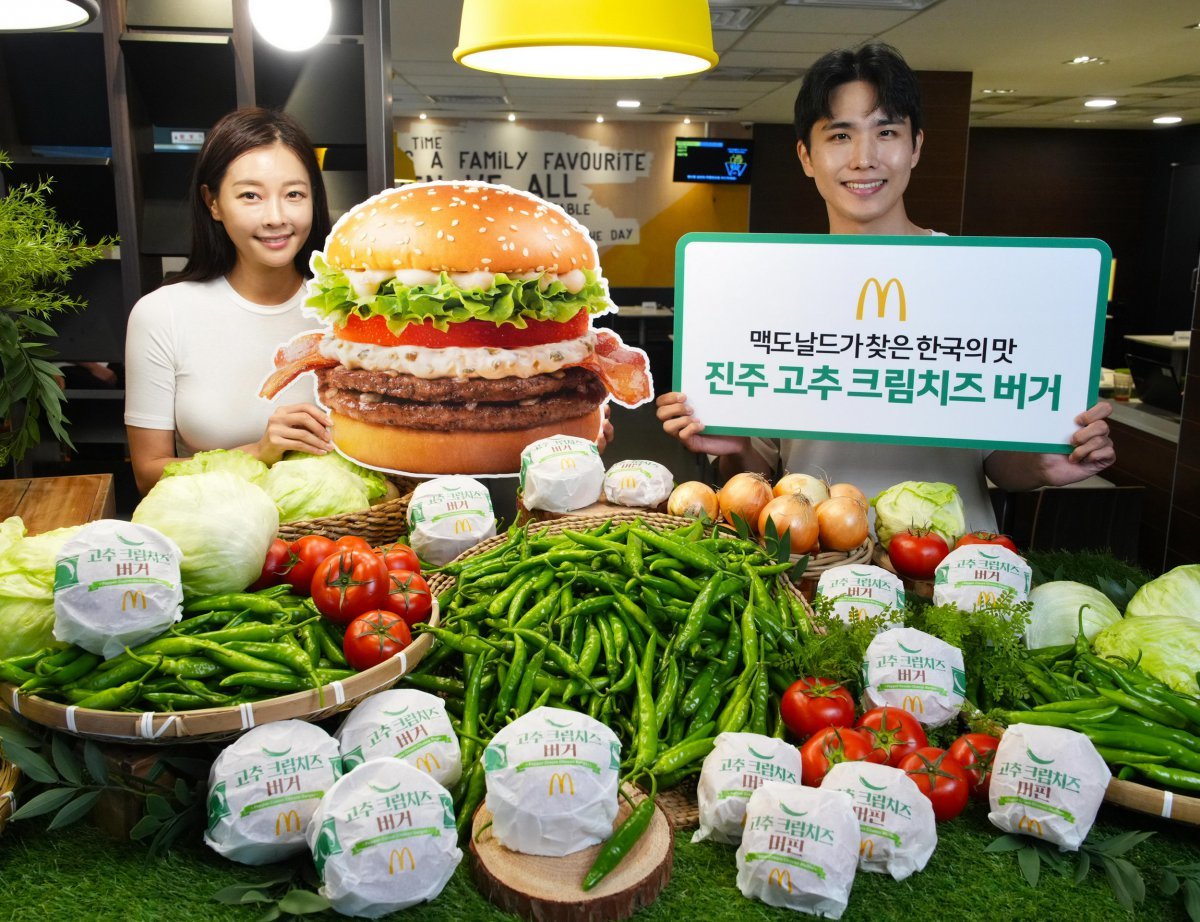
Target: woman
[(198, 348)]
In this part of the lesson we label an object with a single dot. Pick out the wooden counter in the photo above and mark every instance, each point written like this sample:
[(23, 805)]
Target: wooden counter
[(46, 503)]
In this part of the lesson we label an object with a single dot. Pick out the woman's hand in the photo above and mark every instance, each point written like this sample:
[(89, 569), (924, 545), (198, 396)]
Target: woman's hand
[(679, 423), (1092, 452), (607, 434), (297, 427)]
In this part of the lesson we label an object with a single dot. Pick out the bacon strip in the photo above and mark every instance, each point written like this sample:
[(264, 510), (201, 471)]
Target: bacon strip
[(295, 357), (622, 369)]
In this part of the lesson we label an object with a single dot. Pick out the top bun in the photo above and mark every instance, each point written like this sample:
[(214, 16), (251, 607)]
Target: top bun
[(459, 227)]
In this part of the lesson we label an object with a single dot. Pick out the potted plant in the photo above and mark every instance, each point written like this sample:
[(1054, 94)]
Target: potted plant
[(38, 254)]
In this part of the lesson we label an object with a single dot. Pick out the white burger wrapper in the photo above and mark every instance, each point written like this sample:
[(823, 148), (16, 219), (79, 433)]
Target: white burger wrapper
[(909, 669), (980, 575), (858, 590), (402, 723), (552, 782), (383, 839), (116, 584), (899, 832), (738, 765), (449, 515), (561, 473), (799, 849), (264, 787), (1047, 782), (638, 483)]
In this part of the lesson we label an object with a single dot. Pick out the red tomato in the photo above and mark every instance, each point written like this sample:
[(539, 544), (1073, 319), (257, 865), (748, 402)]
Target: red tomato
[(408, 596), (349, 583), (374, 637), (353, 543), (307, 552), (941, 778), (399, 557), (976, 752), (827, 748), (275, 567), (813, 704), (466, 333), (986, 537), (916, 552), (895, 733)]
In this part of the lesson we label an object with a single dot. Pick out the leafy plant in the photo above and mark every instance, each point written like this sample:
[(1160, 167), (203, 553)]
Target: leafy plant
[(58, 782), (1183, 879), (279, 894), (38, 252)]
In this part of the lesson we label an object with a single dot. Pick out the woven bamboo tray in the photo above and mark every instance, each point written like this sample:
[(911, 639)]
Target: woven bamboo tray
[(1155, 801), (382, 523), (819, 563), (209, 724), (8, 785)]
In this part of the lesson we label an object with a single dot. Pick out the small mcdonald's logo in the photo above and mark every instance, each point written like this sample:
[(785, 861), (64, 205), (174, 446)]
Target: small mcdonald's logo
[(427, 763), (985, 600), (287, 822), (568, 464), (564, 781), (628, 481), (913, 704), (866, 848), (1029, 825), (133, 598), (463, 526), (881, 297), (398, 859), (780, 879)]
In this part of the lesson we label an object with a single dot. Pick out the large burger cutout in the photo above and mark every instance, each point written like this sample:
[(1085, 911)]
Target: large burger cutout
[(459, 331)]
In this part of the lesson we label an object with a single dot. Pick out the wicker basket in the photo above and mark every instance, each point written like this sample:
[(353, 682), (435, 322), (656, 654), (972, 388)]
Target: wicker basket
[(8, 785), (1155, 801), (209, 724), (819, 563), (379, 524)]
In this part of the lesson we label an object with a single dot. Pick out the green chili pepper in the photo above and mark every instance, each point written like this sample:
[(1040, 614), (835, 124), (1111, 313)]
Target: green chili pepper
[(471, 703), (1170, 777), (588, 658), (540, 612), (646, 739), (310, 643), (175, 701), (525, 689), (698, 691), (331, 644), (475, 790), (683, 755), (508, 688), (235, 601), (112, 699), (621, 841), (1128, 757), (269, 681), (691, 628), (695, 557), (461, 643), (10, 672), (668, 692), (76, 669)]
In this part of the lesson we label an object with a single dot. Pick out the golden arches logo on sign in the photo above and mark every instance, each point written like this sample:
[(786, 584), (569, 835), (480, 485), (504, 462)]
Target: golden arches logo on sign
[(288, 821), (463, 526), (913, 704), (882, 290), (398, 859), (428, 762), (564, 781), (1029, 825), (133, 598), (866, 848), (780, 878)]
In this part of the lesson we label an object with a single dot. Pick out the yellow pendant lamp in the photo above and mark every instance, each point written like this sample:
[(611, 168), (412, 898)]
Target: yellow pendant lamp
[(586, 39)]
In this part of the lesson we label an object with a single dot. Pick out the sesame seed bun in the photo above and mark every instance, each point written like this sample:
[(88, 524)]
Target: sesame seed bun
[(459, 227)]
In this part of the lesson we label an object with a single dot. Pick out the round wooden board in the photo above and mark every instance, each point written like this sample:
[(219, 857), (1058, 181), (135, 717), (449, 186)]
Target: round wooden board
[(548, 889)]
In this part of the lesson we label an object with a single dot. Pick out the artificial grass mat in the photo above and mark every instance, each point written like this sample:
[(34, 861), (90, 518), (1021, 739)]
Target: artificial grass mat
[(78, 873)]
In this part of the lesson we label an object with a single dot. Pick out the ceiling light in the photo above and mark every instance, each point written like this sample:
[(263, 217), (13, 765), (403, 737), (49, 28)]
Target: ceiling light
[(423, 116), (293, 25), (600, 119), (1168, 120), (512, 116), (1100, 103), (1085, 59), (687, 121), (46, 16), (629, 103), (998, 92), (586, 39)]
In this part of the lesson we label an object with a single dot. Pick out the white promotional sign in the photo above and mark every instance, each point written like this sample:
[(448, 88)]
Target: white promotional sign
[(980, 342)]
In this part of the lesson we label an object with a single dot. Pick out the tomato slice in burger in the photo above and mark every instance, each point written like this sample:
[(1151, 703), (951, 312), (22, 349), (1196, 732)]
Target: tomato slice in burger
[(465, 334)]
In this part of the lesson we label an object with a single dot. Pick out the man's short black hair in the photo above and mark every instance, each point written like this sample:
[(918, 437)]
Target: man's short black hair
[(882, 66)]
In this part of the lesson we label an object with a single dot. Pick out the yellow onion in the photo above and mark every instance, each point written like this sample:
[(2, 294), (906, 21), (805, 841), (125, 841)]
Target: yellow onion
[(848, 489), (814, 489), (694, 500), (744, 495), (795, 514), (842, 522)]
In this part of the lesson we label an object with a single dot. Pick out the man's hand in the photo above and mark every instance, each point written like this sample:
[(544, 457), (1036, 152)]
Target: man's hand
[(1093, 452), (679, 423)]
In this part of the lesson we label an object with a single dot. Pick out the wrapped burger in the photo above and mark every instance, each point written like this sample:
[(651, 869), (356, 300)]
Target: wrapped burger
[(402, 723), (383, 839), (561, 474), (980, 575), (638, 483), (449, 515), (116, 584), (552, 782), (264, 787), (909, 669), (739, 764), (861, 590)]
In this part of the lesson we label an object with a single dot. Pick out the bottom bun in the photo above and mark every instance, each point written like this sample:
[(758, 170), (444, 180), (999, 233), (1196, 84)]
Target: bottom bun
[(431, 452)]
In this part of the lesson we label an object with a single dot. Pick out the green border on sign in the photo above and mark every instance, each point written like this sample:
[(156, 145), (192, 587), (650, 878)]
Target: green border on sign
[(1060, 243)]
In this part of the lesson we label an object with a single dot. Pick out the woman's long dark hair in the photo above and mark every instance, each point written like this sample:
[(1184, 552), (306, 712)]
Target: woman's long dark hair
[(213, 254)]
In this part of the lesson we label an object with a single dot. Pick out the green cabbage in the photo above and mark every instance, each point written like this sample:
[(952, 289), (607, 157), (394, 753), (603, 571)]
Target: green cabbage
[(27, 587), (1174, 593), (1168, 645), (222, 524), (233, 461), (936, 506), (508, 300), (1054, 619), (306, 486)]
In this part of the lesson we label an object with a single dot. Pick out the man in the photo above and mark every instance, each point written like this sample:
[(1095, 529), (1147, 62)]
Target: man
[(858, 129)]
